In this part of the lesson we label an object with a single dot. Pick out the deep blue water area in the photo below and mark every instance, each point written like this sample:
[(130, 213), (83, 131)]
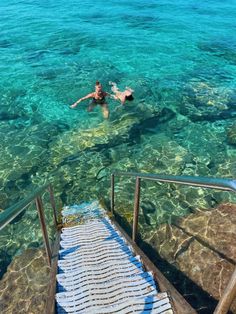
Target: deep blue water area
[(179, 57)]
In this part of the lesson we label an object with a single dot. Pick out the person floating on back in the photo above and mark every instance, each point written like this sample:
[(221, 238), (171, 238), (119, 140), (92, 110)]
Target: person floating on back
[(98, 98), (121, 96)]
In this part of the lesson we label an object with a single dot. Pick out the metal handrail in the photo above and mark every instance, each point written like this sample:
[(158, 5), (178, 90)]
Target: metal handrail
[(213, 183), (12, 212), (207, 182)]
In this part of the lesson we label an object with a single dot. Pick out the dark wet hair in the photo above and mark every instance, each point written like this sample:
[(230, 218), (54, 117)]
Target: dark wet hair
[(129, 98), (97, 83)]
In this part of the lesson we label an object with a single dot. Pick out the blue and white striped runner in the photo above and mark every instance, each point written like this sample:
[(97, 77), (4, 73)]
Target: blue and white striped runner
[(98, 273)]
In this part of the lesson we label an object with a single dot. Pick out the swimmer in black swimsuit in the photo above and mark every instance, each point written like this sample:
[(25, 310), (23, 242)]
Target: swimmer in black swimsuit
[(98, 98), (98, 101)]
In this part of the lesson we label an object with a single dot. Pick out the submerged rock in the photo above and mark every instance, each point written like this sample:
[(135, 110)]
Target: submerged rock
[(231, 135), (24, 288), (35, 55), (203, 102), (5, 260), (215, 228), (127, 129), (48, 74), (6, 116), (4, 43), (221, 48), (202, 247)]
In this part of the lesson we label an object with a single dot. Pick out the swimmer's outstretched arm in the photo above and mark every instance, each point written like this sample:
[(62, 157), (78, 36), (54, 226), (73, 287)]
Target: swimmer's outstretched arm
[(91, 95), (106, 94), (114, 97), (109, 95)]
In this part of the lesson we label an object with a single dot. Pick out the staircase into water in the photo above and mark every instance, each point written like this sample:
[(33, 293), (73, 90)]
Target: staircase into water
[(99, 273), (97, 268)]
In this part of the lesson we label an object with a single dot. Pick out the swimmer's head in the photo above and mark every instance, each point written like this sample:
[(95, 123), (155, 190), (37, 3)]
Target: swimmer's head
[(98, 86), (128, 95), (129, 98)]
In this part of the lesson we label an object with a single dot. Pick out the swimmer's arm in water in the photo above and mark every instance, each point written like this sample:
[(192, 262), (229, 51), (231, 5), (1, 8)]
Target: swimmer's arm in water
[(114, 97), (119, 98), (81, 99), (106, 94)]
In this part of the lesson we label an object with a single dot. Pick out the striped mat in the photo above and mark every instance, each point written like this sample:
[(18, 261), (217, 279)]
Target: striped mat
[(98, 273)]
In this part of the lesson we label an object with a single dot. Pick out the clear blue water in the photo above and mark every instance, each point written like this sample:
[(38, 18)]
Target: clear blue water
[(178, 56), (175, 55)]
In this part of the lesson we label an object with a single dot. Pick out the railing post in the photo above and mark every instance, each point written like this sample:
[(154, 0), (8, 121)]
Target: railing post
[(227, 297), (52, 201), (112, 193), (39, 206), (136, 208)]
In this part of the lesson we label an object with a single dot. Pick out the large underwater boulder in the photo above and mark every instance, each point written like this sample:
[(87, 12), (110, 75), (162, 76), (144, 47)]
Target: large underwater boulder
[(24, 287), (127, 129), (202, 102), (215, 228), (202, 247)]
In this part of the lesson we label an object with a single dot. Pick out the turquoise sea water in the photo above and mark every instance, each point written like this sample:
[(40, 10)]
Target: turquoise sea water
[(178, 56)]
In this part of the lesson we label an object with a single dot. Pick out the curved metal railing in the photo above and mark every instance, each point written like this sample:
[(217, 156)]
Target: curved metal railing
[(216, 183), (12, 212), (205, 182)]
